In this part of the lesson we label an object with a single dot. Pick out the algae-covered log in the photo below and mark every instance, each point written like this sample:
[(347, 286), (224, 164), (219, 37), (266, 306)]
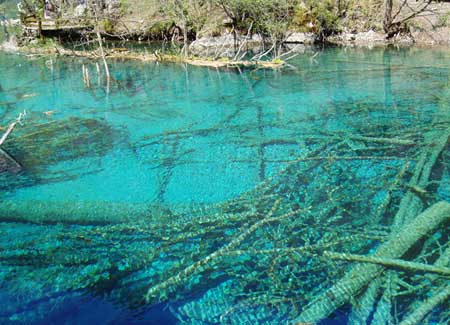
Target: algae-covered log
[(36, 149), (437, 297), (7, 132), (411, 204), (355, 280), (79, 212), (37, 146), (129, 251), (389, 262), (8, 163)]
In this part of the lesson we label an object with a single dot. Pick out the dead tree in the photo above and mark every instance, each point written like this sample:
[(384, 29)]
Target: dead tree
[(397, 15)]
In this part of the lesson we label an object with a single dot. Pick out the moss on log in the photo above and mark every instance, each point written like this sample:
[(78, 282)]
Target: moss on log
[(80, 212), (411, 203), (389, 262), (437, 297), (360, 276), (42, 145)]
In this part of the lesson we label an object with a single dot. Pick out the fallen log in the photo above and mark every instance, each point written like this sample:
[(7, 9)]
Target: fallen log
[(367, 301), (411, 204), (360, 276), (80, 212), (383, 140), (11, 127), (7, 132), (389, 262), (421, 308), (437, 297), (155, 290), (8, 163)]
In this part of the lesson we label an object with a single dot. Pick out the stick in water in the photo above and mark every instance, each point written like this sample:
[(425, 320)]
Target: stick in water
[(11, 127)]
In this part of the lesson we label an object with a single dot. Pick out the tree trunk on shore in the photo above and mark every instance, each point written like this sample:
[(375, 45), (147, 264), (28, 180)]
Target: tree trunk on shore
[(387, 22), (185, 38)]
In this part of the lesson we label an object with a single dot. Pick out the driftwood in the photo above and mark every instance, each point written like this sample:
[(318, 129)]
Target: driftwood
[(361, 275)]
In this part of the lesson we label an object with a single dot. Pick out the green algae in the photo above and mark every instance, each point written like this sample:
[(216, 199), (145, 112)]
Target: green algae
[(38, 148)]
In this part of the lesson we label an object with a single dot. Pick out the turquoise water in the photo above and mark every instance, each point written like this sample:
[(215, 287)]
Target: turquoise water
[(115, 181)]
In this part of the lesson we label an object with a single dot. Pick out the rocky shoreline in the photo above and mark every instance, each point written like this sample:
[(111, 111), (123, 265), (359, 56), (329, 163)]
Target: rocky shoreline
[(214, 35), (125, 54), (228, 50), (224, 44)]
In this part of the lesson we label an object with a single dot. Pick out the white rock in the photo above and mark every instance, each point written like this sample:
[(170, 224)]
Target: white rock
[(79, 10), (222, 45), (370, 37), (301, 38)]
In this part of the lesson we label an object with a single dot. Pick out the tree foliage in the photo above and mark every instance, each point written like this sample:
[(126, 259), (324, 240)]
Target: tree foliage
[(321, 17), (269, 18), (189, 15)]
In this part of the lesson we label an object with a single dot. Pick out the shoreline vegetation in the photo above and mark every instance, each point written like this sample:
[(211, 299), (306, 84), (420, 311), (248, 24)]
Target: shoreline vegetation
[(218, 33), (130, 54)]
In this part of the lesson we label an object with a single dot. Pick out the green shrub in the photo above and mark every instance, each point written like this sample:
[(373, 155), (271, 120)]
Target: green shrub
[(317, 16), (444, 20), (107, 25), (160, 29)]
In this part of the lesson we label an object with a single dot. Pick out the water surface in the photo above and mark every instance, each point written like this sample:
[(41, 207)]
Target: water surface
[(170, 143)]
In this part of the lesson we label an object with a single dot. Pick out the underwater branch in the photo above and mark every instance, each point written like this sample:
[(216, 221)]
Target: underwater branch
[(388, 262), (178, 278), (12, 126), (358, 278)]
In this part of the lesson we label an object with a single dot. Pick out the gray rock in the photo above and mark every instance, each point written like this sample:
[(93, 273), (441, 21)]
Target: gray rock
[(80, 10), (301, 38), (438, 36), (368, 38), (223, 46)]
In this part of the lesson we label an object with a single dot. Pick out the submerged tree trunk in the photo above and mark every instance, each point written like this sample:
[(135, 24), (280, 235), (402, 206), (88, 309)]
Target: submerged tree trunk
[(361, 275)]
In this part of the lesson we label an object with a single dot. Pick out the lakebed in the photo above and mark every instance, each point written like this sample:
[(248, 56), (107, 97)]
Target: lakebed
[(179, 193)]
